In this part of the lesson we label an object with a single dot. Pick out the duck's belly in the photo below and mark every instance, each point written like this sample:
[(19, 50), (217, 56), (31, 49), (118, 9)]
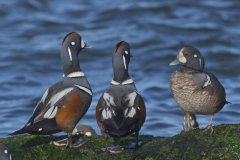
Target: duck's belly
[(193, 99)]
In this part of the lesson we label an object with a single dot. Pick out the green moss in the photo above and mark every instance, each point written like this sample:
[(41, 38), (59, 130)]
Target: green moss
[(224, 143)]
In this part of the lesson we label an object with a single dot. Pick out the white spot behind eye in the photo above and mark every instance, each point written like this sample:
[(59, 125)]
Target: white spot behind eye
[(40, 129), (73, 43), (6, 151), (195, 55), (126, 52)]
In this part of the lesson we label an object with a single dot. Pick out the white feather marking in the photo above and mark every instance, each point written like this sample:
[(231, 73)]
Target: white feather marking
[(51, 112), (42, 99), (10, 157), (73, 43), (131, 97), (40, 129), (107, 113), (44, 96), (6, 151), (58, 96), (130, 112), (115, 82), (129, 81), (208, 82), (75, 131), (124, 62), (195, 55), (109, 99), (84, 89), (82, 44), (89, 134), (70, 53), (75, 74), (126, 52), (181, 57)]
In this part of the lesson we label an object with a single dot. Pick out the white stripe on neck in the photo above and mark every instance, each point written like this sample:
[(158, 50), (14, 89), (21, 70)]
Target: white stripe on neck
[(75, 74), (70, 53), (129, 81)]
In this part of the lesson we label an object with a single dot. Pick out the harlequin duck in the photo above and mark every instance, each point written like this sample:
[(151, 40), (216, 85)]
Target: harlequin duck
[(121, 110), (66, 102), (4, 153), (196, 91)]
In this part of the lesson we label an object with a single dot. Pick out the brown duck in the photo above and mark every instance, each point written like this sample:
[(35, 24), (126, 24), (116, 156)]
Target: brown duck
[(196, 91)]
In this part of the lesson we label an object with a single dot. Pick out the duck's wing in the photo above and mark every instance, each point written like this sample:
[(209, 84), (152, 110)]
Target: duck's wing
[(42, 120)]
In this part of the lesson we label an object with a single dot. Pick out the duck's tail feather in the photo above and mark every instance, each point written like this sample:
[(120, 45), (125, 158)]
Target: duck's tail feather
[(20, 131)]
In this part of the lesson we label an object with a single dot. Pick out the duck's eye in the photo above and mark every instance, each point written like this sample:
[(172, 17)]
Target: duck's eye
[(195, 56), (73, 43), (126, 52)]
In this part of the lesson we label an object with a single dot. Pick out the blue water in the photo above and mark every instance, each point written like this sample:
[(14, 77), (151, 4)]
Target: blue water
[(31, 32)]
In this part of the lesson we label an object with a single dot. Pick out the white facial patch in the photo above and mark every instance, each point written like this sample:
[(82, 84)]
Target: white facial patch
[(70, 53), (51, 112), (195, 56), (109, 99), (88, 91), (208, 81), (73, 43), (182, 58), (124, 62), (40, 129), (6, 151), (126, 52), (82, 44)]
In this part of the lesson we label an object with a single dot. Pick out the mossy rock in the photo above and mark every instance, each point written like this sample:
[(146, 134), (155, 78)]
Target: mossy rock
[(224, 143)]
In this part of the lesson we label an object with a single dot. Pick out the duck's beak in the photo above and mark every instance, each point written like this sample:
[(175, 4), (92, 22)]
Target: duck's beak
[(84, 45), (173, 63), (87, 46)]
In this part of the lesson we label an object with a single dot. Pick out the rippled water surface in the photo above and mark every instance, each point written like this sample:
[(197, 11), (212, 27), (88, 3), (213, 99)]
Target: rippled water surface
[(31, 32)]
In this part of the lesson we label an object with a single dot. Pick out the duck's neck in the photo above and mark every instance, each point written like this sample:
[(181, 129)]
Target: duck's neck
[(70, 63), (120, 76), (189, 69)]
